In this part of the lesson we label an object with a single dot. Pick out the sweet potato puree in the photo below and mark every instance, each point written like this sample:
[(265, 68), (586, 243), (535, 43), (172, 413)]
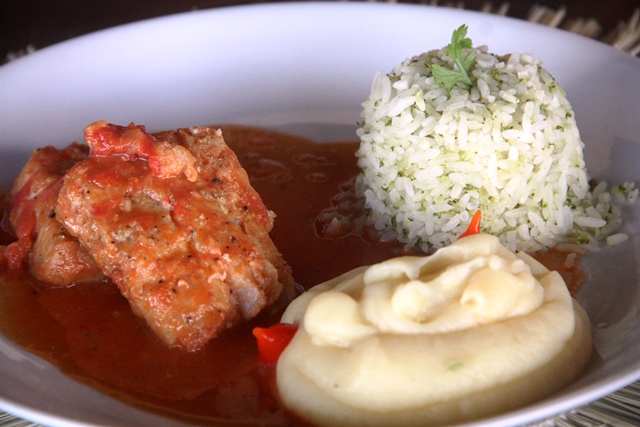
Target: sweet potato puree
[(90, 333)]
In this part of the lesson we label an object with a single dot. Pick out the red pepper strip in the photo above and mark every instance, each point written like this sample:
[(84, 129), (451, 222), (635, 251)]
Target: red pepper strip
[(273, 340), (474, 225)]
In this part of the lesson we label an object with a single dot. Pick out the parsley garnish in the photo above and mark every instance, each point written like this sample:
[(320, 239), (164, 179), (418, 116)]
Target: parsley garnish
[(463, 63)]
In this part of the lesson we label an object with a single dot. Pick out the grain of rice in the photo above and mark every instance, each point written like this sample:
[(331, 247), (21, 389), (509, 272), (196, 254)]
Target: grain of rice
[(571, 260), (616, 239)]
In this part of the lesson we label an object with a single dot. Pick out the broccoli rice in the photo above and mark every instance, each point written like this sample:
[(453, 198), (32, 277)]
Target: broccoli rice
[(506, 144)]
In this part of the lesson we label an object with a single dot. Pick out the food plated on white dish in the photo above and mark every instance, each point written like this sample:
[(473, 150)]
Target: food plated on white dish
[(307, 73)]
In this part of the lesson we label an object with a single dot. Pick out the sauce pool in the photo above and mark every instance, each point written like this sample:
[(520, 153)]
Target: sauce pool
[(90, 333)]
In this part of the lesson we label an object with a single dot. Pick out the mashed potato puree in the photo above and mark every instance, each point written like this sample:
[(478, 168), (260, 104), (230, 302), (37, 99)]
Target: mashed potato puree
[(467, 332)]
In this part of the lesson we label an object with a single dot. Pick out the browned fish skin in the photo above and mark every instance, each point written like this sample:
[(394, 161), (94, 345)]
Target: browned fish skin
[(173, 220), (52, 256)]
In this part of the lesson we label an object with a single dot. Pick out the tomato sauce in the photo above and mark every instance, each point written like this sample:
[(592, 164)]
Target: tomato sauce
[(90, 333)]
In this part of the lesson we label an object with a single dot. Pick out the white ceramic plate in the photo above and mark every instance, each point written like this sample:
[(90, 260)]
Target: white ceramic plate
[(306, 68)]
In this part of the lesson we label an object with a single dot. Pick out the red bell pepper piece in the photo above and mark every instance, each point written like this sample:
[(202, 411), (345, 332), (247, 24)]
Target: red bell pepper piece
[(474, 225), (273, 340)]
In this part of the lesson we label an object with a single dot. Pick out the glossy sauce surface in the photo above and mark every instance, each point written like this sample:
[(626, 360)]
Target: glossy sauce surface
[(90, 332)]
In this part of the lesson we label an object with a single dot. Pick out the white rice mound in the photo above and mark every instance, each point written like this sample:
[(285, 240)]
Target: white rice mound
[(508, 145)]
